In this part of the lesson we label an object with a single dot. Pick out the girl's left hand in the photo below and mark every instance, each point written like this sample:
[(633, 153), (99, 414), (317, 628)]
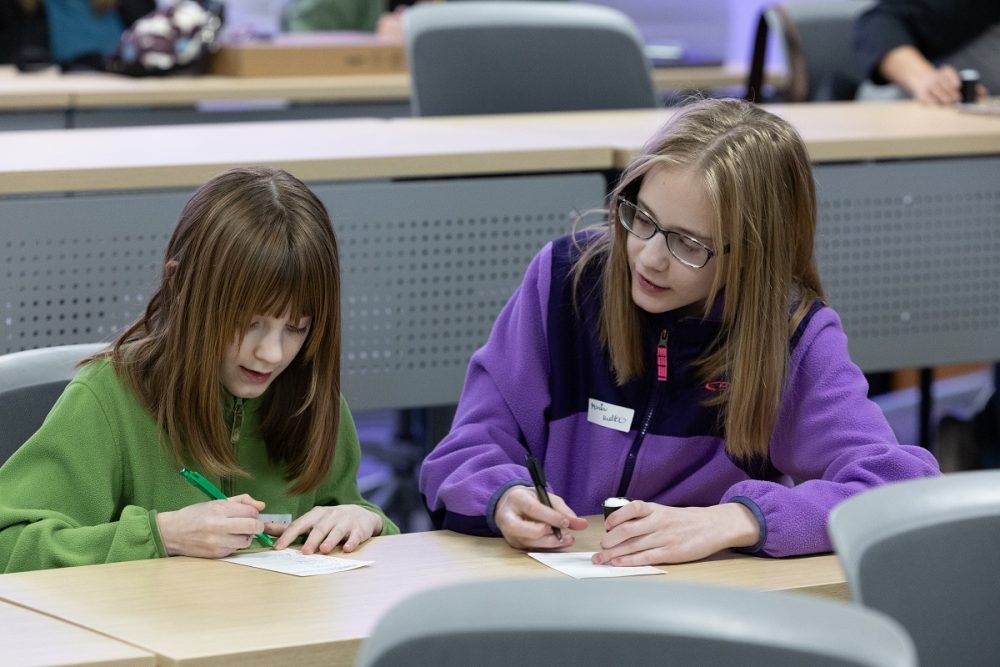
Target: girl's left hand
[(642, 533), (327, 527)]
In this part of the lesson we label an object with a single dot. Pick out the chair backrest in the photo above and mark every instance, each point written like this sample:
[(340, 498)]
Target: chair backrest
[(514, 57), (815, 43), (925, 552), (529, 622), (30, 383)]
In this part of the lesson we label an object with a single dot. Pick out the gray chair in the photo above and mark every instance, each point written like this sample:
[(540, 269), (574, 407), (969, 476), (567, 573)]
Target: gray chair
[(536, 622), (926, 552), (515, 57), (30, 383), (814, 39)]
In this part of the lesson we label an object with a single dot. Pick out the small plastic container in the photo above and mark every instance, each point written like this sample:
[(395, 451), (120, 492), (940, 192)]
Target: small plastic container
[(611, 504), (970, 80)]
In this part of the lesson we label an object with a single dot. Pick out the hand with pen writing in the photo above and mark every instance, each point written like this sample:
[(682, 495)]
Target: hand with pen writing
[(642, 533), (212, 529), (326, 527), (528, 524)]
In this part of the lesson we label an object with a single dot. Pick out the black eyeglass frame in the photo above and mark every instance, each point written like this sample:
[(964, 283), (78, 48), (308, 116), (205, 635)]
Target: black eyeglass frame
[(667, 233)]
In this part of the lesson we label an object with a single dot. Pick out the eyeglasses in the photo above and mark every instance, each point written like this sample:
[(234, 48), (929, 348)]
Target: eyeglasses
[(686, 249)]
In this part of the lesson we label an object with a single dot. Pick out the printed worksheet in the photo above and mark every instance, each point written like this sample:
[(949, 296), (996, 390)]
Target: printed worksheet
[(578, 565), (292, 561)]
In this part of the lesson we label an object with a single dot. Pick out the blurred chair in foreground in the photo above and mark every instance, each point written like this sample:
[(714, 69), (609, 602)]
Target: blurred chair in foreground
[(925, 553), (519, 57), (535, 622), (814, 39)]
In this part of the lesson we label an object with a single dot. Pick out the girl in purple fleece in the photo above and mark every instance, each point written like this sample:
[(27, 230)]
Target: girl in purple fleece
[(681, 355)]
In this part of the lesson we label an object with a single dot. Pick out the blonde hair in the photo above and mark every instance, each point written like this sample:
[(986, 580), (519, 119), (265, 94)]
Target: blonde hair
[(759, 183), (251, 241)]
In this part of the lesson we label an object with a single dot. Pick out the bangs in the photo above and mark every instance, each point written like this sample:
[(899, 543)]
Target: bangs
[(286, 272), (289, 286)]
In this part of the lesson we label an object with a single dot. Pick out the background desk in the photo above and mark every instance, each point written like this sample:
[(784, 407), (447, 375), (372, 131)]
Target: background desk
[(32, 639), (191, 611), (49, 100), (437, 219)]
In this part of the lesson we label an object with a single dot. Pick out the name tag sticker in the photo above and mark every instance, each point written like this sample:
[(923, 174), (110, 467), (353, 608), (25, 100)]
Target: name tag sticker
[(609, 416)]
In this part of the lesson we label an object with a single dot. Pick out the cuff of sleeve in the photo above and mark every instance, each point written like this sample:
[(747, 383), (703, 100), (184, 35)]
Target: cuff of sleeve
[(491, 507), (759, 515), (161, 550)]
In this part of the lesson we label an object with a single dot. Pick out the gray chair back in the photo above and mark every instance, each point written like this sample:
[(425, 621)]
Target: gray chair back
[(515, 57), (30, 383), (925, 552), (814, 39), (535, 622)]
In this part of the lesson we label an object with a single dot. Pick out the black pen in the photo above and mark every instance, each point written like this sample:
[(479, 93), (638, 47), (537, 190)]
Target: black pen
[(538, 479)]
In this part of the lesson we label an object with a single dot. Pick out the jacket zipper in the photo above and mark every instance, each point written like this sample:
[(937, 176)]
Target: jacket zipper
[(234, 439), (662, 366)]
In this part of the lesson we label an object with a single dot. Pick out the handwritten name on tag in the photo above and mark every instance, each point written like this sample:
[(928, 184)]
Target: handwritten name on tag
[(609, 416)]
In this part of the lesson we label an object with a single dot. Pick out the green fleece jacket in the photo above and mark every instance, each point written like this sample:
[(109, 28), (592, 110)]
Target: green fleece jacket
[(86, 487)]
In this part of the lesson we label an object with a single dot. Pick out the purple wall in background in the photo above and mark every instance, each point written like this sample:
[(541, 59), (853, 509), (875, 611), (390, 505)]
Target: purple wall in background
[(721, 27), (694, 25)]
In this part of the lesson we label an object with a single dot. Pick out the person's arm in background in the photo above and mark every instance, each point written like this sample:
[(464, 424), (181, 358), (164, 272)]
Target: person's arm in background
[(907, 67), (896, 41)]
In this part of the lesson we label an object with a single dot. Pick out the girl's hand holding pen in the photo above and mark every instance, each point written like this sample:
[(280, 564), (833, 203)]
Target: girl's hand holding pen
[(326, 527), (212, 529), (528, 524)]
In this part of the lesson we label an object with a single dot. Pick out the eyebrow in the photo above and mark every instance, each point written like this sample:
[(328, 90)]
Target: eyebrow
[(707, 240)]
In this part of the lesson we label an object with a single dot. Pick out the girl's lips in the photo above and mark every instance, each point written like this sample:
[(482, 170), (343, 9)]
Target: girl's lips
[(254, 376), (648, 286)]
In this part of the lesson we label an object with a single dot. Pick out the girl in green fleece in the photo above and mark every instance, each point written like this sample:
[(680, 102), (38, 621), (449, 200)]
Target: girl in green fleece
[(234, 371)]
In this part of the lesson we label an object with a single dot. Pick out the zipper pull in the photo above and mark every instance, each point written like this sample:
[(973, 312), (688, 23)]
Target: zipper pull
[(661, 357), (234, 434)]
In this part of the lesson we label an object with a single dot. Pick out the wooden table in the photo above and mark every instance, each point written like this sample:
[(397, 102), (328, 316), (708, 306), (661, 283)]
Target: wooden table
[(191, 611), (32, 639), (359, 149), (49, 89)]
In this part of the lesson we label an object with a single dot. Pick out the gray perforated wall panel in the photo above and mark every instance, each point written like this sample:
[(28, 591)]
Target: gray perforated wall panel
[(909, 253), (427, 270), (426, 265)]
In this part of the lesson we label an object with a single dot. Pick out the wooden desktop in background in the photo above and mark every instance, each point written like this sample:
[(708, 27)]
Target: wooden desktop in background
[(50, 90), (192, 611), (357, 149)]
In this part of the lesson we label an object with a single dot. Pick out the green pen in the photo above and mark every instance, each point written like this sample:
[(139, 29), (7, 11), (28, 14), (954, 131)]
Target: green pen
[(198, 481)]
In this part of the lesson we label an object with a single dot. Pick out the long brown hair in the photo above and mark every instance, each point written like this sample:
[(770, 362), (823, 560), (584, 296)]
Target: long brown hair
[(251, 241), (759, 183)]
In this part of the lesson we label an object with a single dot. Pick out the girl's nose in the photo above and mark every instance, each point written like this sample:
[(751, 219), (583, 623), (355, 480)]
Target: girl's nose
[(656, 253), (269, 349)]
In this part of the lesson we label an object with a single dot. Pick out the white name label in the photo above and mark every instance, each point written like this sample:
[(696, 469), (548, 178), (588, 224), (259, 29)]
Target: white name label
[(609, 416)]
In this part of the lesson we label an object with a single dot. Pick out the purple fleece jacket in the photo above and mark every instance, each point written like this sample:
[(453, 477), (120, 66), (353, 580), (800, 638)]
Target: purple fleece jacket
[(531, 385)]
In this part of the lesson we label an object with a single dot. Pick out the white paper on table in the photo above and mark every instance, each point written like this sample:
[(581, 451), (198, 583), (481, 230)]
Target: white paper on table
[(291, 561), (578, 565)]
